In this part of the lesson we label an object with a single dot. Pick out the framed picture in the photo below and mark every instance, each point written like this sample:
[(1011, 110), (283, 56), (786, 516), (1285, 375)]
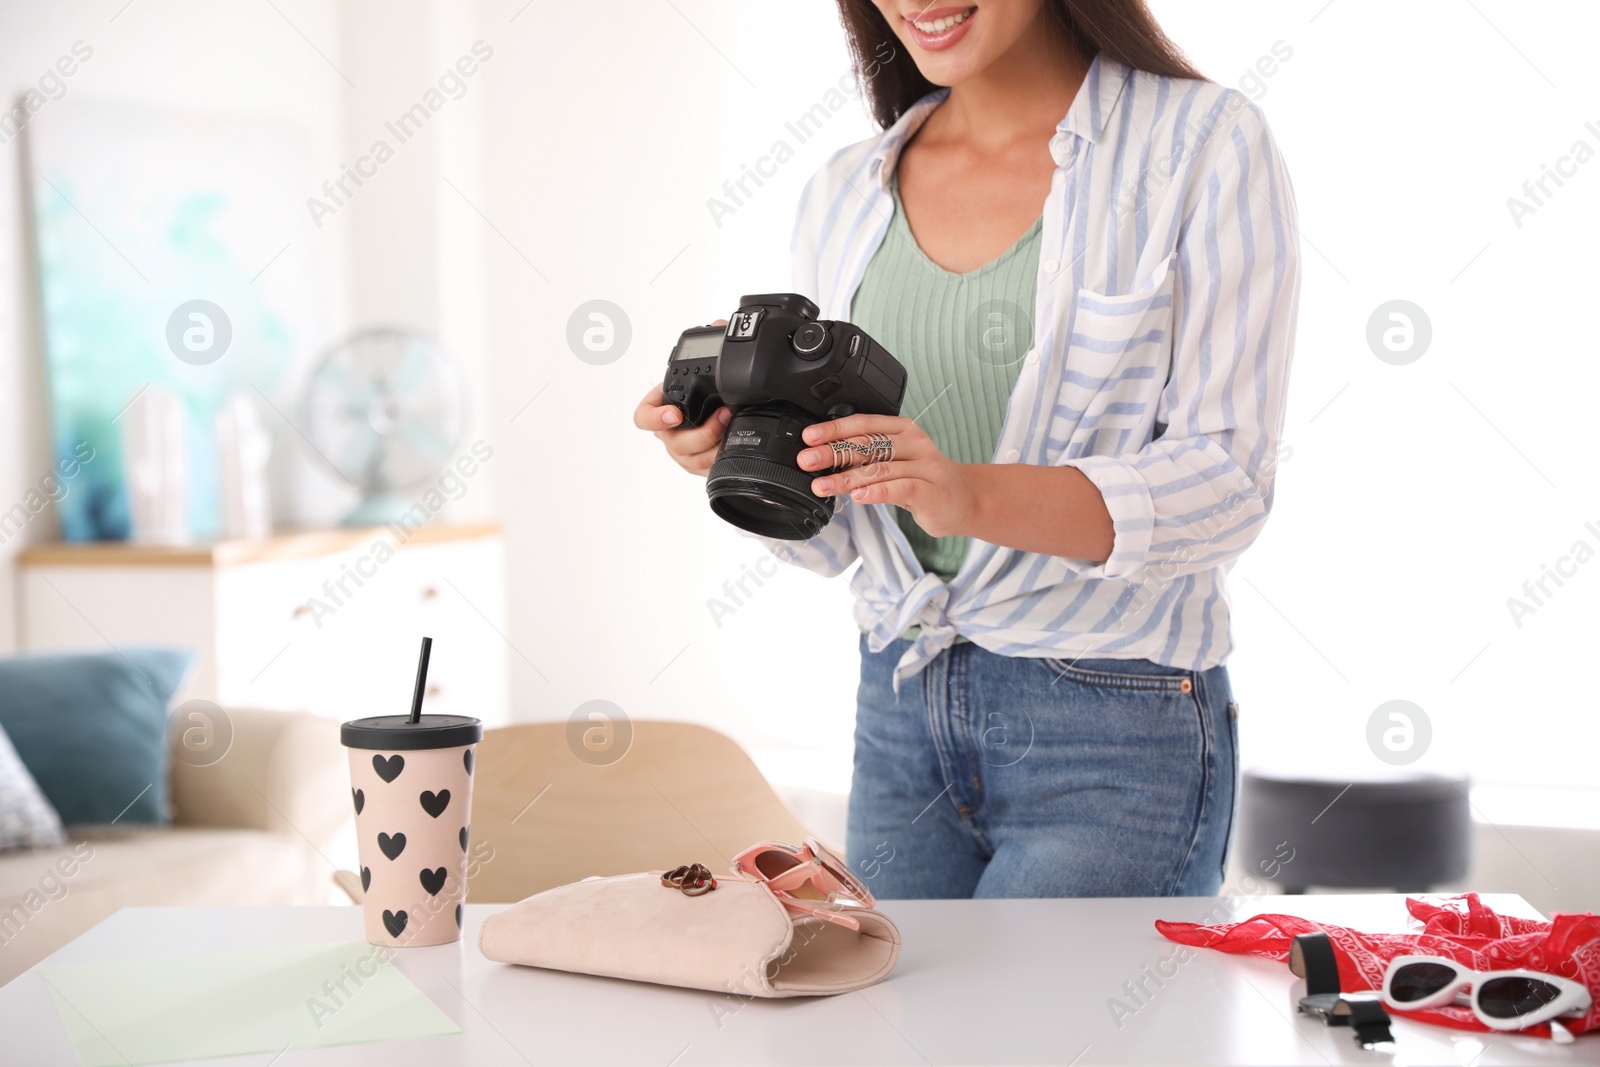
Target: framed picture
[(174, 255)]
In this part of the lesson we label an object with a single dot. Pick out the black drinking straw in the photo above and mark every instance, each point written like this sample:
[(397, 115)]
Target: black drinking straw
[(422, 680)]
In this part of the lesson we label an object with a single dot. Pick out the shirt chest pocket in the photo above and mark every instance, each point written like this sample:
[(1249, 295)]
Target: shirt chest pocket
[(1118, 353)]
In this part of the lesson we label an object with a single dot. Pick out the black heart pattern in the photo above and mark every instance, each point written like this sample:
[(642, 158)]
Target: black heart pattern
[(392, 846), (434, 880)]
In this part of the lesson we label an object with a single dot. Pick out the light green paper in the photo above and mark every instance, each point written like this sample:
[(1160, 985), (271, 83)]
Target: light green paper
[(132, 1012)]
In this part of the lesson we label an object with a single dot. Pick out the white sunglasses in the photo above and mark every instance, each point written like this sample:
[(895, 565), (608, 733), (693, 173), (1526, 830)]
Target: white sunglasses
[(1502, 1000)]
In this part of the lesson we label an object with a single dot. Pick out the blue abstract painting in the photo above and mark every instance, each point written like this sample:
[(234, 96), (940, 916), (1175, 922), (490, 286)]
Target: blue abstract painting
[(139, 216)]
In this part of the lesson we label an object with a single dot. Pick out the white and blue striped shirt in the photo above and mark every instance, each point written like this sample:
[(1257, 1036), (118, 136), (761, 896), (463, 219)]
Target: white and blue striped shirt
[(1165, 319)]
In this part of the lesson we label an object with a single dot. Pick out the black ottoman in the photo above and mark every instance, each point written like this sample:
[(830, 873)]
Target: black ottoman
[(1405, 833)]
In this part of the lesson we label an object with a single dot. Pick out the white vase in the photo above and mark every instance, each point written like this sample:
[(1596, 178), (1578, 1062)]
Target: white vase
[(155, 462), (243, 448)]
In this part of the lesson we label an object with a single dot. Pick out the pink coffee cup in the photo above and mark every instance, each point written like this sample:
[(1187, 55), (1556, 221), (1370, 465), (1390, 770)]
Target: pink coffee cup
[(411, 783)]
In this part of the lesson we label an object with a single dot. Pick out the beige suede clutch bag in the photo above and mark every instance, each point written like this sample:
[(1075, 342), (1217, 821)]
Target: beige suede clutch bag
[(739, 938)]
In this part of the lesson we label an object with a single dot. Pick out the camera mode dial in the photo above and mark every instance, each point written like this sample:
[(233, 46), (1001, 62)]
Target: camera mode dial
[(812, 340)]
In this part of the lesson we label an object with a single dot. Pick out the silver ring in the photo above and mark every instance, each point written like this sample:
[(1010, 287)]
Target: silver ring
[(879, 448)]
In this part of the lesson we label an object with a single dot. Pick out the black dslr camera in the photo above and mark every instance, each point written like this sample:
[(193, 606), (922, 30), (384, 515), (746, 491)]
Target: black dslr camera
[(778, 369)]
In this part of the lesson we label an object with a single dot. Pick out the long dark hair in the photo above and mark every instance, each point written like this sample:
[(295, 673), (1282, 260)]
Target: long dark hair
[(1123, 30)]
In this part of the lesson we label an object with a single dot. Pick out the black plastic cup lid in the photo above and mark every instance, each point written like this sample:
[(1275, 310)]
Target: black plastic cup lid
[(397, 733)]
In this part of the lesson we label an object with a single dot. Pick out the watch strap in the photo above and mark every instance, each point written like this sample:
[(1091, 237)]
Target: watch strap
[(1311, 957), (1368, 1020)]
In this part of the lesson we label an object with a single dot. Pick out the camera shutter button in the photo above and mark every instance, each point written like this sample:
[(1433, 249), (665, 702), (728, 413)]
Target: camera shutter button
[(811, 340)]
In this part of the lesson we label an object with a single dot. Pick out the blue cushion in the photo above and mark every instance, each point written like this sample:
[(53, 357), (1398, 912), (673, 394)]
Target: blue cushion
[(92, 729)]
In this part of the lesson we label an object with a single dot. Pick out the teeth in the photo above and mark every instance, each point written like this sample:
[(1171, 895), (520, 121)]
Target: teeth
[(946, 23)]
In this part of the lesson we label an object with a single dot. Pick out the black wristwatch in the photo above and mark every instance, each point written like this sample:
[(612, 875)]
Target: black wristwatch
[(1311, 957)]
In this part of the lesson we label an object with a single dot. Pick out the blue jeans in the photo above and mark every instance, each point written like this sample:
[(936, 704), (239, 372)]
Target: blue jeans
[(997, 776)]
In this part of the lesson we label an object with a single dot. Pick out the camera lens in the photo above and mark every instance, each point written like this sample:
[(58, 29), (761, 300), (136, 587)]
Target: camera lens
[(755, 483)]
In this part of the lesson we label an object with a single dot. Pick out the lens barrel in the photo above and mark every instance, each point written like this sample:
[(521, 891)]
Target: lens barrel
[(755, 483)]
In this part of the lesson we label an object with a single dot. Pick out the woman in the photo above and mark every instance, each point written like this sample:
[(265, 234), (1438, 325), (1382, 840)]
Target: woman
[(1085, 256)]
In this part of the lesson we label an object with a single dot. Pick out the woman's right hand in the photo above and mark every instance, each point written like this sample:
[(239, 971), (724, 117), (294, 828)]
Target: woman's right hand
[(694, 448)]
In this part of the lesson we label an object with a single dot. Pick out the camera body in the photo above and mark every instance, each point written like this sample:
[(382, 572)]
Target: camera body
[(774, 350), (778, 369)]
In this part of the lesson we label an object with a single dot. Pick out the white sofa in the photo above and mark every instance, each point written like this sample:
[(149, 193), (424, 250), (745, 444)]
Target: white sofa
[(251, 829)]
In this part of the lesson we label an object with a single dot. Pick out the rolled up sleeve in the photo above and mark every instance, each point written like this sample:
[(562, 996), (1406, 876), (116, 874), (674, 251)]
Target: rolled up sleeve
[(1199, 493)]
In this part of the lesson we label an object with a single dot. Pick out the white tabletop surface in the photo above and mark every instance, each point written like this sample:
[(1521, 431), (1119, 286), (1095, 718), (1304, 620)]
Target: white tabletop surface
[(979, 982)]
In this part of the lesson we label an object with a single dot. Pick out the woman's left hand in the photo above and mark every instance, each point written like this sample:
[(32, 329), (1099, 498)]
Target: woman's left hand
[(936, 489)]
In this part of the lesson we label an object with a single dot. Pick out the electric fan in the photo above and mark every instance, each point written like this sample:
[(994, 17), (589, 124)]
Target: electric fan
[(384, 408)]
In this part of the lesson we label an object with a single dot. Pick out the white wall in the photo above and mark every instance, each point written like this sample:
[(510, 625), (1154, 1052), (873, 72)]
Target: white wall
[(615, 552), (1420, 497), (417, 250)]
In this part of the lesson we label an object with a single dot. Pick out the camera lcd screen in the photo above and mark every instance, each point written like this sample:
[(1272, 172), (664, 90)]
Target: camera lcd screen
[(699, 346)]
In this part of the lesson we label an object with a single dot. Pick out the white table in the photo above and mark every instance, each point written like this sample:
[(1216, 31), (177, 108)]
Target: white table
[(979, 982)]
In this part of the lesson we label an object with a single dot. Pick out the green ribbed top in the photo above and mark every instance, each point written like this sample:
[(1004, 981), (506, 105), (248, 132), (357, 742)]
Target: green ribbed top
[(962, 339)]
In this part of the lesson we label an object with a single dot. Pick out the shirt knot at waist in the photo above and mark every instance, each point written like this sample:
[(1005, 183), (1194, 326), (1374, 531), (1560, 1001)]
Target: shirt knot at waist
[(923, 606)]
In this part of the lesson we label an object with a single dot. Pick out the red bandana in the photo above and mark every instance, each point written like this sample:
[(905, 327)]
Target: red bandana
[(1460, 928)]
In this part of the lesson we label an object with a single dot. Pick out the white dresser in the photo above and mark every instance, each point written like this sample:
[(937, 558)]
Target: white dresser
[(328, 621)]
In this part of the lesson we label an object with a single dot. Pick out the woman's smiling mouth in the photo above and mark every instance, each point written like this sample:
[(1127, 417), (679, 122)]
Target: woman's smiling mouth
[(936, 29)]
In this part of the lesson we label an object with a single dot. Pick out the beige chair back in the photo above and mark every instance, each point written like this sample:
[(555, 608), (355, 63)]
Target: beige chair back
[(543, 817)]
